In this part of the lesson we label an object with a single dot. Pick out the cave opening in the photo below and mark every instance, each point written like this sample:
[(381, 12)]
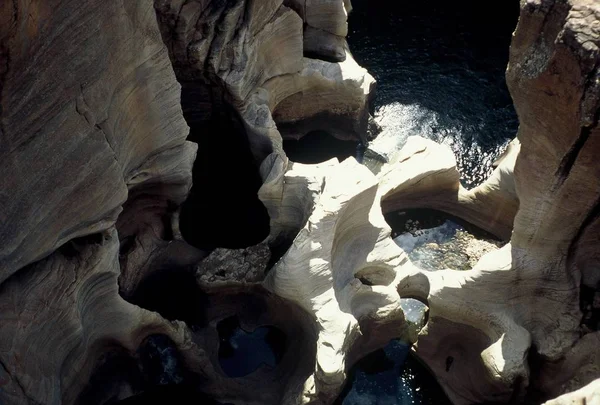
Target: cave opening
[(440, 68), (173, 293), (223, 208)]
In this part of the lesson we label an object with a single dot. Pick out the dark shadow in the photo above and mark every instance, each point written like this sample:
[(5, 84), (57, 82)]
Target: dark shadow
[(242, 352), (428, 219), (171, 394), (116, 373), (174, 294), (161, 362), (391, 376), (317, 147), (223, 209), (75, 246)]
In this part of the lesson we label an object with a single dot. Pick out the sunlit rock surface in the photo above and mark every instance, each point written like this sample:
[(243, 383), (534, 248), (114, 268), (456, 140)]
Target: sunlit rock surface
[(424, 175), (340, 270), (95, 165), (588, 395)]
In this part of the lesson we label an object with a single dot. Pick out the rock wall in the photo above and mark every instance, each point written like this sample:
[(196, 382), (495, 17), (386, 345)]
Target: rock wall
[(510, 329), (95, 163), (95, 102), (90, 127)]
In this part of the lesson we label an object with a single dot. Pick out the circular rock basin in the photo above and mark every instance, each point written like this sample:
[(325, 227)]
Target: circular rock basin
[(434, 240), (242, 352), (391, 376)]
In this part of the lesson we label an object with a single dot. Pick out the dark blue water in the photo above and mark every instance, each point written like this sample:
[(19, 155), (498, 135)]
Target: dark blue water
[(242, 352), (440, 71), (391, 377)]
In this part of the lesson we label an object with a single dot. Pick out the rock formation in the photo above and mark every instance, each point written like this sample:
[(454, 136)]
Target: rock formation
[(590, 395), (95, 165), (504, 329), (424, 175), (91, 131), (95, 162)]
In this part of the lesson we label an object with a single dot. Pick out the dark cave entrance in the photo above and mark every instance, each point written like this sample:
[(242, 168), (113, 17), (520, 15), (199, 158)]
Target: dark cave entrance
[(223, 208)]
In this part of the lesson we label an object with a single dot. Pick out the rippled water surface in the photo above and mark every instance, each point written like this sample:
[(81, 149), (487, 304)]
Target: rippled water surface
[(440, 71), (391, 377)]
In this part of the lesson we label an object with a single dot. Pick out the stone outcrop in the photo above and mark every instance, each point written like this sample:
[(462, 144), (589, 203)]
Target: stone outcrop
[(519, 307), (60, 318), (92, 140), (254, 61), (77, 137), (509, 328), (588, 395), (95, 165), (325, 27), (345, 240), (424, 175)]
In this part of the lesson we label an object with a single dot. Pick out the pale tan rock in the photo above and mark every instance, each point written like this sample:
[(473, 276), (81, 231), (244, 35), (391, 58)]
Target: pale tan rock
[(588, 395), (92, 136), (345, 239), (424, 175), (254, 61), (96, 125), (324, 96), (527, 293), (325, 27)]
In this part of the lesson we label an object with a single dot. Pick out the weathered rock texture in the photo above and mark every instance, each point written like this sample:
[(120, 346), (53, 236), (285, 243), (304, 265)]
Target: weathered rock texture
[(509, 328), (91, 129), (83, 123), (506, 328), (250, 54), (345, 240), (425, 175), (95, 165)]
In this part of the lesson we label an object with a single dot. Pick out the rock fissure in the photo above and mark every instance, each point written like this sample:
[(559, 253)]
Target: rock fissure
[(568, 161)]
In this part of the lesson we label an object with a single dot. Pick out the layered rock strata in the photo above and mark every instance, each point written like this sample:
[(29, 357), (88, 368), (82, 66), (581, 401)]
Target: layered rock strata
[(95, 165)]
